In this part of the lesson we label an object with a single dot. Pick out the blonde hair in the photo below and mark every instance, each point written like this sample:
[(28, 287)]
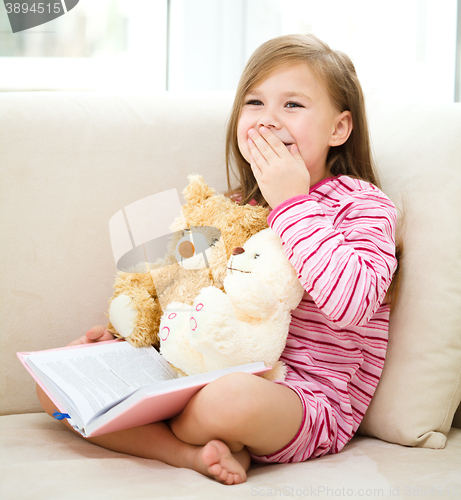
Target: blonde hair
[(336, 71)]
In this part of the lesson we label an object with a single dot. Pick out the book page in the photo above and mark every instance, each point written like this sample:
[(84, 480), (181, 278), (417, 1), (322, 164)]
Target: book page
[(96, 377)]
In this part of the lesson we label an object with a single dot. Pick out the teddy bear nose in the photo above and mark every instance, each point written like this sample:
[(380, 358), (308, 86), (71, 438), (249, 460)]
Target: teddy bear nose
[(237, 251)]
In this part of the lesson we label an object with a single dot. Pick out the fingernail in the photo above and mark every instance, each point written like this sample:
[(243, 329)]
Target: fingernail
[(252, 132), (250, 142), (263, 129)]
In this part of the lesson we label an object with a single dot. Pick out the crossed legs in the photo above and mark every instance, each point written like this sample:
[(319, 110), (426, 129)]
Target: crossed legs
[(236, 415), (242, 410)]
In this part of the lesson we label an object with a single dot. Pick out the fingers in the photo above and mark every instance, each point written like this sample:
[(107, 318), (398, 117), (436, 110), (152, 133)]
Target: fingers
[(81, 340), (267, 150), (257, 160), (274, 142), (95, 333), (296, 154), (259, 148), (98, 334), (267, 143), (261, 154)]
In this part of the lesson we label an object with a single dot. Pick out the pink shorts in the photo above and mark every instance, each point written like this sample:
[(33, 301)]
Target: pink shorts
[(317, 433)]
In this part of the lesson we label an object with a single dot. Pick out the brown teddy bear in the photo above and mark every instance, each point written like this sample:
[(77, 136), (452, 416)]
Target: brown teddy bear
[(140, 298)]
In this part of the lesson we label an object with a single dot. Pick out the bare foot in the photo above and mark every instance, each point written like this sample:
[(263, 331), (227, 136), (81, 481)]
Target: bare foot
[(223, 465)]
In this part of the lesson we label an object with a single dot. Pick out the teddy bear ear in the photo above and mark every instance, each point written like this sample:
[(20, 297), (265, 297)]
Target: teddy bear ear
[(197, 189)]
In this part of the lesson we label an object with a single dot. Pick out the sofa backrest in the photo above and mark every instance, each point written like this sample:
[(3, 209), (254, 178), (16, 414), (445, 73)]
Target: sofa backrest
[(69, 161)]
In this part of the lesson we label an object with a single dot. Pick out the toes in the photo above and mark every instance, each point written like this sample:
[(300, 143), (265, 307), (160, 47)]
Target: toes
[(224, 477), (215, 470), (233, 479), (219, 461), (220, 474)]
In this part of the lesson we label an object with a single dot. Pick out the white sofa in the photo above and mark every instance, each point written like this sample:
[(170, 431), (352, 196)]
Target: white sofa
[(69, 161)]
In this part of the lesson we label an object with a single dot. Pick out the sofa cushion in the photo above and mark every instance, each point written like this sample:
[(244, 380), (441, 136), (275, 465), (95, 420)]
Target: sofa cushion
[(45, 460), (418, 152)]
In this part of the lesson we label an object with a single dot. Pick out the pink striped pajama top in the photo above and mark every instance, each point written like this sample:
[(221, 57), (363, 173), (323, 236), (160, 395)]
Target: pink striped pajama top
[(340, 239)]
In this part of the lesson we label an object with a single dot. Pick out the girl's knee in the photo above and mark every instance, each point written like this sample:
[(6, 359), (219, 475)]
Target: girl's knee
[(232, 387), (230, 401)]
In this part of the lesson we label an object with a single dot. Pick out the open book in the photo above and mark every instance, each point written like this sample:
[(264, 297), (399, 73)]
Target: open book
[(109, 386)]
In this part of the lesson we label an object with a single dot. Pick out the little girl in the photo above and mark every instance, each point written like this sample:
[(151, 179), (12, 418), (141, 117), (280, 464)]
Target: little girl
[(298, 139)]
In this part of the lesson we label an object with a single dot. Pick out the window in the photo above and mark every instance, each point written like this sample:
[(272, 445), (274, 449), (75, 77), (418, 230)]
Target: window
[(98, 45), (406, 47)]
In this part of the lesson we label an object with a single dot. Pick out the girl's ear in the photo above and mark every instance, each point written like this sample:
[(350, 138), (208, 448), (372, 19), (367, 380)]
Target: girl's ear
[(343, 129)]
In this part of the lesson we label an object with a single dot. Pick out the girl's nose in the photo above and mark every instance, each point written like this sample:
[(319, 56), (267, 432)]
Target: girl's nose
[(269, 120), (269, 124)]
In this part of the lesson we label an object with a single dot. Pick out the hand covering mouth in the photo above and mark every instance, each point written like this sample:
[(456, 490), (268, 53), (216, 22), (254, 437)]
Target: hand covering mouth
[(287, 143)]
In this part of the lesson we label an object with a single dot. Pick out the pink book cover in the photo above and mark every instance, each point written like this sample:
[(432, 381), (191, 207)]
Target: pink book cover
[(152, 403), (156, 407)]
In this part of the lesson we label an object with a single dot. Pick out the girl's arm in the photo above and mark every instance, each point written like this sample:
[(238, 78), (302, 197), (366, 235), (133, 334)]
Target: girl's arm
[(345, 263)]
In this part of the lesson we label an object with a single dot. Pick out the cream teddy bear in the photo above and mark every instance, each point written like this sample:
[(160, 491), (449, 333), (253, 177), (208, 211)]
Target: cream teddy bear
[(247, 323), (140, 297)]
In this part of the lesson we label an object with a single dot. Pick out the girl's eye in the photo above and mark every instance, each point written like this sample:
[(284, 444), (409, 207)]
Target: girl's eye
[(293, 105), (254, 102)]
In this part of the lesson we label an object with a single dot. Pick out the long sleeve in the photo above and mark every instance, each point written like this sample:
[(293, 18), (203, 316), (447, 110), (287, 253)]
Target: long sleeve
[(340, 239), (342, 248)]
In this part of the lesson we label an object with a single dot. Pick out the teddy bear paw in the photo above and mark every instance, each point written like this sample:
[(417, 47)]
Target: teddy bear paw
[(174, 321), (194, 330), (123, 315)]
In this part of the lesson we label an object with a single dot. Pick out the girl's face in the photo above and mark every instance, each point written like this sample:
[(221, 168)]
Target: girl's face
[(293, 104)]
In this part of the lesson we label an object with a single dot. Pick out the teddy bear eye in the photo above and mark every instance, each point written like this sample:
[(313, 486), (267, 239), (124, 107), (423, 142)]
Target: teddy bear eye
[(256, 255)]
